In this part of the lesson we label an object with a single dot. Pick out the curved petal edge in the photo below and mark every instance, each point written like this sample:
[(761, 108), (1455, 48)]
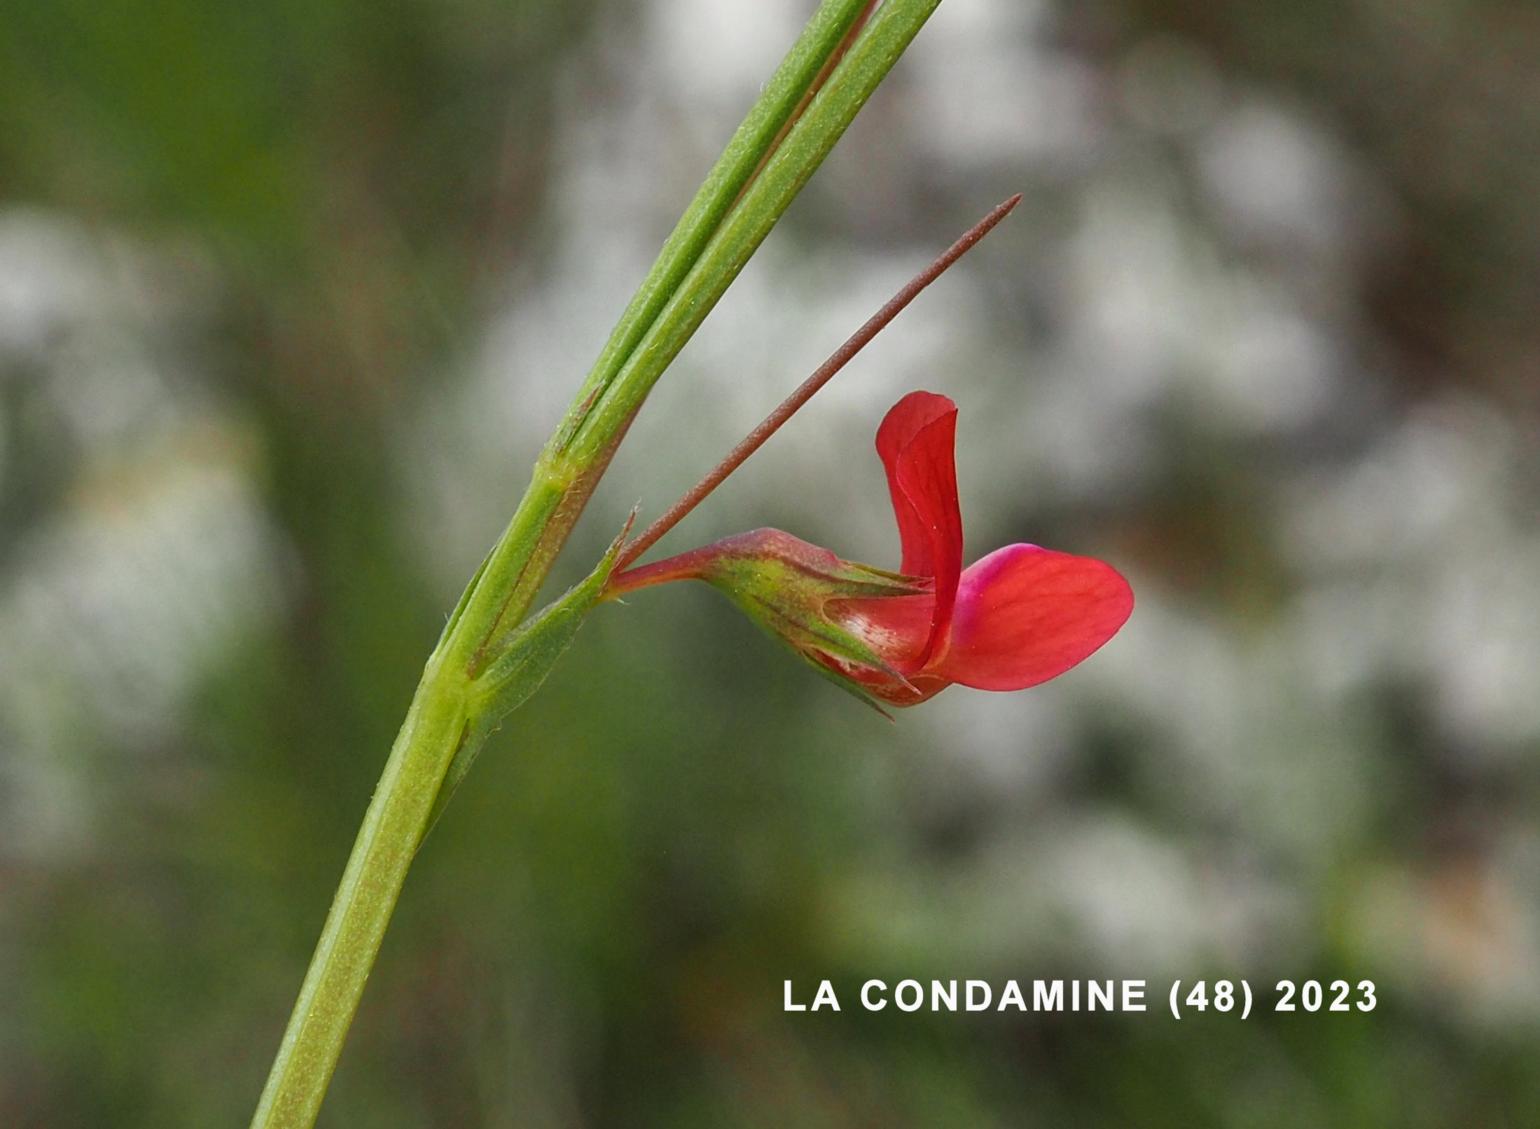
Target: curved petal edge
[(1025, 614)]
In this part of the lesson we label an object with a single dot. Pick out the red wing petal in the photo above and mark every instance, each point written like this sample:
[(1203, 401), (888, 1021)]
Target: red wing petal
[(917, 443), (1025, 615)]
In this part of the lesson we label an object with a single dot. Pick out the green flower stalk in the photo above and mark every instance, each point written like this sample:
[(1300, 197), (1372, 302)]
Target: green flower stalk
[(488, 658)]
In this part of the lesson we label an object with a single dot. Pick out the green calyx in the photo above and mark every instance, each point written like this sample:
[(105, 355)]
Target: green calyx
[(787, 586)]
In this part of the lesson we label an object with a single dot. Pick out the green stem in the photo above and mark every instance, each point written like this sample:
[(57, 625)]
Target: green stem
[(365, 899), (750, 146), (806, 144), (741, 200)]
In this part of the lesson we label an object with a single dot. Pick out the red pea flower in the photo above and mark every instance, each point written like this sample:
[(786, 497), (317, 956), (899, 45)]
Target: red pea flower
[(1017, 617)]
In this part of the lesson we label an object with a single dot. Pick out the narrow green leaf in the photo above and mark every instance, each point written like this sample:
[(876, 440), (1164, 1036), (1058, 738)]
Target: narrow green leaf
[(475, 676), (525, 662), (749, 147), (764, 200)]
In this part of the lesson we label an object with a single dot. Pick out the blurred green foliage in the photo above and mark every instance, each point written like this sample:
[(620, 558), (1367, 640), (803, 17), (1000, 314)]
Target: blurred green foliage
[(332, 199)]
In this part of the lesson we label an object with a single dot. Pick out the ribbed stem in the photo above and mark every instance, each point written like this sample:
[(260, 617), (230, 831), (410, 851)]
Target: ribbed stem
[(728, 219)]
